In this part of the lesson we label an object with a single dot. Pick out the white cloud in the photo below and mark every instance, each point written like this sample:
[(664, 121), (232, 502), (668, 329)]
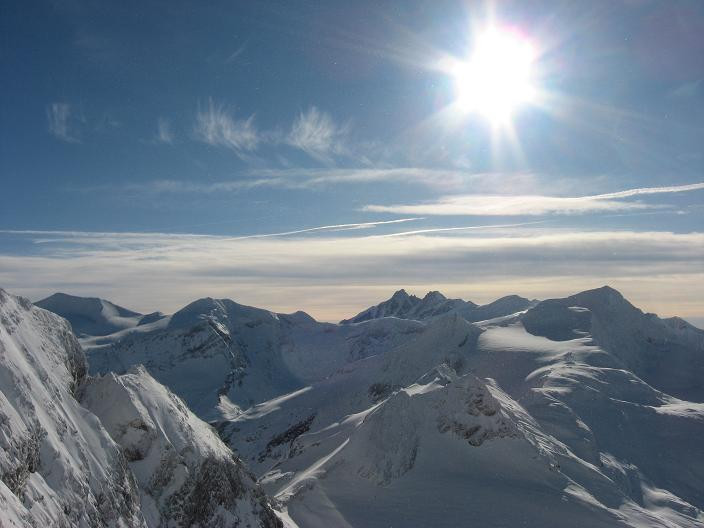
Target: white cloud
[(316, 133), (190, 187), (59, 119), (164, 134), (332, 276), (500, 205), (216, 127)]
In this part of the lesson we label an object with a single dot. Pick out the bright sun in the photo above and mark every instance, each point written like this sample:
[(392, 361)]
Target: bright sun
[(498, 76)]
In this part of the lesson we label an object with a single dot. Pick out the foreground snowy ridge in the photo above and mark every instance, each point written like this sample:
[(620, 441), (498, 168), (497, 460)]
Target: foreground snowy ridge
[(140, 458)]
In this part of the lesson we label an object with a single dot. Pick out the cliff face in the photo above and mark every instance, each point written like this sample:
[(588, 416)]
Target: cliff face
[(111, 451), (58, 465), (186, 475)]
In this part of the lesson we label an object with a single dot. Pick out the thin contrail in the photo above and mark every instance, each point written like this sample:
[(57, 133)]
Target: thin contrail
[(464, 228), (98, 234), (337, 227)]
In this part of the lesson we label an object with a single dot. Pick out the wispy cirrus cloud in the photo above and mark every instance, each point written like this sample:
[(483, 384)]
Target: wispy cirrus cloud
[(313, 132), (501, 205), (59, 117), (308, 178), (164, 133), (216, 126), (333, 276), (316, 133)]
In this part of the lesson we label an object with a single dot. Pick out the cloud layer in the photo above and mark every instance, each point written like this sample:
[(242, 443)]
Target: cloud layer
[(500, 205), (333, 276)]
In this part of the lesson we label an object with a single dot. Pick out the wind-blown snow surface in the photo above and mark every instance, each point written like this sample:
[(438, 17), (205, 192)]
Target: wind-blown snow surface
[(572, 412), (144, 460)]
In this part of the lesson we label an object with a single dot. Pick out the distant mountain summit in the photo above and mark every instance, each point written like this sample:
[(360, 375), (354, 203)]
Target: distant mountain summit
[(404, 306), (666, 353), (92, 316)]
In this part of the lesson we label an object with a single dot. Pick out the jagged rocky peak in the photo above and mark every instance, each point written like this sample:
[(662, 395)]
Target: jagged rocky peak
[(434, 296), (401, 299), (401, 294), (404, 306), (434, 304)]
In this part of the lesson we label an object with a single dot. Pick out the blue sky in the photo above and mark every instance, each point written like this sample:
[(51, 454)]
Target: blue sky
[(140, 142)]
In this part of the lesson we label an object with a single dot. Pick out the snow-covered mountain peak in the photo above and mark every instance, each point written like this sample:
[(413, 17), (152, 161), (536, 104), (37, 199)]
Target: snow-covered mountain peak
[(401, 295), (91, 316), (668, 356), (405, 306), (604, 298), (434, 297), (200, 310), (434, 303)]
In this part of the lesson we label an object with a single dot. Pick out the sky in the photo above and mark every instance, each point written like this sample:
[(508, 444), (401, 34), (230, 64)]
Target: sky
[(315, 155)]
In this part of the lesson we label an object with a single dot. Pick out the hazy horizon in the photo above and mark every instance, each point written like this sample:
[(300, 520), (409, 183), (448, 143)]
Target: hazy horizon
[(320, 157)]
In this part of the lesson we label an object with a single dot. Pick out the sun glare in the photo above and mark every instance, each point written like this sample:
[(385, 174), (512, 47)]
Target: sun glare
[(498, 76)]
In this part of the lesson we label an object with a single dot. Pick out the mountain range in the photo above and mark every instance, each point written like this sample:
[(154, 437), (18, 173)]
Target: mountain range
[(581, 411)]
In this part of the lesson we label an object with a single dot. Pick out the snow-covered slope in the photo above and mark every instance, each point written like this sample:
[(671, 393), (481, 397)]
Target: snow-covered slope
[(488, 423), (220, 356), (186, 475), (668, 354), (141, 458), (404, 306), (390, 441), (92, 316), (58, 465)]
